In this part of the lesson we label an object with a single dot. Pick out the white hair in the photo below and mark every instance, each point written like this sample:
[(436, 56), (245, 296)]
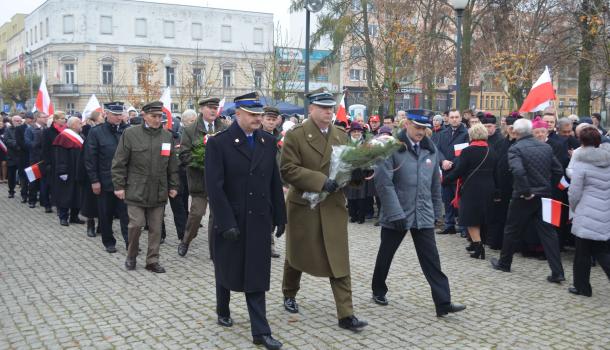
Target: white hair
[(72, 121), (522, 127), (438, 117), (189, 113), (564, 121)]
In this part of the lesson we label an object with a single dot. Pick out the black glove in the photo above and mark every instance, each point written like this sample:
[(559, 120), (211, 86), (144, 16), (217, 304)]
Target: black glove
[(358, 175), (231, 234), (400, 225), (330, 186), (280, 231)]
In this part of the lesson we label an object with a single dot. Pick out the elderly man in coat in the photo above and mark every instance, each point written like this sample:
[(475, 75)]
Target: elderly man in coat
[(411, 201), (245, 194), (316, 239)]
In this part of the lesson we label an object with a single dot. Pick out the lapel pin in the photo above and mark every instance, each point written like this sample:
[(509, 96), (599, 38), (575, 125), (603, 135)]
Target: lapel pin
[(263, 140), (309, 135), (236, 140)]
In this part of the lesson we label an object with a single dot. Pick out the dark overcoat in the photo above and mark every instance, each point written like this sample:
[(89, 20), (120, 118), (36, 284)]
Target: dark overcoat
[(66, 194), (244, 191)]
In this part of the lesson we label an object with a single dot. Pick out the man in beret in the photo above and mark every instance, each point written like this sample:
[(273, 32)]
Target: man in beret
[(144, 173), (207, 124)]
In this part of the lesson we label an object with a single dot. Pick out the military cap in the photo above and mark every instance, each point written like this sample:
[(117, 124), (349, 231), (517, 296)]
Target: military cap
[(271, 111), (114, 107), (420, 120), (209, 101), (155, 107), (249, 103), (321, 97)]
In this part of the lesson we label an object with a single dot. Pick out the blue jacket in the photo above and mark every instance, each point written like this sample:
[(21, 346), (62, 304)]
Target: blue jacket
[(33, 142)]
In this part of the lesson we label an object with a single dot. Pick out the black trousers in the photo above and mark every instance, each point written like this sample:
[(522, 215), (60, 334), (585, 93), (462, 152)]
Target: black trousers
[(68, 213), (12, 178), (585, 249), (256, 309), (39, 190), (24, 183), (522, 213), (429, 261), (180, 215), (497, 221), (357, 208), (109, 206)]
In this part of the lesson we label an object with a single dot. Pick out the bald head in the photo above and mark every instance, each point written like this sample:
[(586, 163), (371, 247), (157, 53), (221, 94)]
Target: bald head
[(16, 120)]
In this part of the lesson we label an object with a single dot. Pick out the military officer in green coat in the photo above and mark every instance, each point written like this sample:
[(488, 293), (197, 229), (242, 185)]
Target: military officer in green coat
[(144, 173), (316, 239)]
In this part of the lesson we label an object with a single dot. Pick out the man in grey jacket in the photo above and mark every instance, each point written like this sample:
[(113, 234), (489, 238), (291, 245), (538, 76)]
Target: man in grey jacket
[(535, 170), (409, 187)]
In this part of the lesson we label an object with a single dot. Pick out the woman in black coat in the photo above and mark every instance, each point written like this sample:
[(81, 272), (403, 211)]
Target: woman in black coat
[(475, 168)]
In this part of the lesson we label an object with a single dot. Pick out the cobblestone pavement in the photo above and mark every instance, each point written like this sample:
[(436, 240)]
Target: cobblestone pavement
[(60, 289)]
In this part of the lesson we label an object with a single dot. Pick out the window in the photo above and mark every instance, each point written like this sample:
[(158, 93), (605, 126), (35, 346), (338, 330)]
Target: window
[(35, 33), (46, 26), (70, 108), (174, 108), (107, 77), (364, 75), (493, 102), (225, 34), (258, 79), (69, 73), (168, 29), (226, 78), (40, 31), (486, 102), (141, 75), (373, 30), (141, 27), (198, 77), (258, 36), (197, 31), (68, 24), (170, 76), (354, 74), (106, 25), (355, 5), (356, 52)]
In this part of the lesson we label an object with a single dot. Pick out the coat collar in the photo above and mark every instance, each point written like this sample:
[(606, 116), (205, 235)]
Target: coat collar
[(319, 142), (425, 143), (240, 142)]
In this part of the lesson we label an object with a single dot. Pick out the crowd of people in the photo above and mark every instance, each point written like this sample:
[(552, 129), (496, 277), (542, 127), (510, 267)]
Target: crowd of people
[(460, 173)]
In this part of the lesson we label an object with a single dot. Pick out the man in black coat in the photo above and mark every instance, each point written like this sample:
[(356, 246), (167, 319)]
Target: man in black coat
[(13, 154), (24, 155), (453, 135), (245, 195), (99, 151)]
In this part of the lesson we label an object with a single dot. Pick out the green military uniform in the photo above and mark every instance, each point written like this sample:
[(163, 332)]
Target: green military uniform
[(316, 239), (145, 165), (194, 135)]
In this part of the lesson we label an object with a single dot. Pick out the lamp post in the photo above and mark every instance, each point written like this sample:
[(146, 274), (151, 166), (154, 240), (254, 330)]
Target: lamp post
[(458, 6), (29, 56), (310, 6), (167, 62)]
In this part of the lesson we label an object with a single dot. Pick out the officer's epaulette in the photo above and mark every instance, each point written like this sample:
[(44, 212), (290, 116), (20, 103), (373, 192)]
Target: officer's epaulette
[(221, 132), (341, 128)]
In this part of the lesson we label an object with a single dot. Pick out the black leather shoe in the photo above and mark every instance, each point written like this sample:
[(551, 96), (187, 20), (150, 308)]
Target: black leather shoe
[(495, 264), (555, 279), (162, 241), (267, 341), (451, 308), (290, 304), (380, 300), (48, 210), (63, 222), (575, 291), (225, 321), (155, 267), (24, 200), (182, 249), (11, 195), (77, 221), (32, 205), (111, 249), (352, 323), (130, 264), (448, 231)]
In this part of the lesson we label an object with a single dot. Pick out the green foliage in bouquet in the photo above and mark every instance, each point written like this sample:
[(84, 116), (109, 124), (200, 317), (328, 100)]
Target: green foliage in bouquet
[(370, 152), (198, 155)]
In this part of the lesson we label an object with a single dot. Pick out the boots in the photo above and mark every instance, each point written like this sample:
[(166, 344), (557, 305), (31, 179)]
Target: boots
[(478, 251), (470, 247), (90, 227)]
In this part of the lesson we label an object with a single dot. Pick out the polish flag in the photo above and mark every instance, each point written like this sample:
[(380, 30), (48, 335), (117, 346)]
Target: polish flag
[(341, 112), (540, 95), (3, 147), (166, 98), (165, 149), (551, 211), (33, 173), (459, 147), (221, 106), (43, 100), (92, 105), (563, 184)]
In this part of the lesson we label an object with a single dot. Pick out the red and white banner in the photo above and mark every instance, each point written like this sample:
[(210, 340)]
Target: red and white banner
[(563, 183), (341, 112), (541, 94), (3, 147), (166, 98), (92, 105), (459, 147), (221, 106), (33, 173), (551, 211), (72, 135), (43, 100), (165, 149)]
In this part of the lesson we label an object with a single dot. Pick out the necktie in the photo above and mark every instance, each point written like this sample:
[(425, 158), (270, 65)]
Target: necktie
[(210, 127), (250, 141), (416, 149)]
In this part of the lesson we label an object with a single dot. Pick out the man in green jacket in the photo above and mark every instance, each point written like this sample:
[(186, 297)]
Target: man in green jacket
[(144, 173)]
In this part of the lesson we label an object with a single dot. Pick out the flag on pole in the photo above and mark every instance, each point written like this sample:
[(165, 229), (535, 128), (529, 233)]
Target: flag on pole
[(221, 106), (3, 147), (551, 211), (540, 95), (563, 183), (92, 105), (341, 112), (33, 173), (459, 147), (166, 98), (43, 100)]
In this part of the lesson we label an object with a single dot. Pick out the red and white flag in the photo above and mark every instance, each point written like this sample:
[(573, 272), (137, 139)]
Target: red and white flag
[(563, 183), (221, 106), (541, 94), (459, 147), (43, 100), (551, 211), (3, 147), (341, 112), (92, 105), (33, 173), (166, 98), (166, 149)]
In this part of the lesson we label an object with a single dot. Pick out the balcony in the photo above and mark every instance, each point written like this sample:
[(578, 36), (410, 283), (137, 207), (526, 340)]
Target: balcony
[(64, 90)]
